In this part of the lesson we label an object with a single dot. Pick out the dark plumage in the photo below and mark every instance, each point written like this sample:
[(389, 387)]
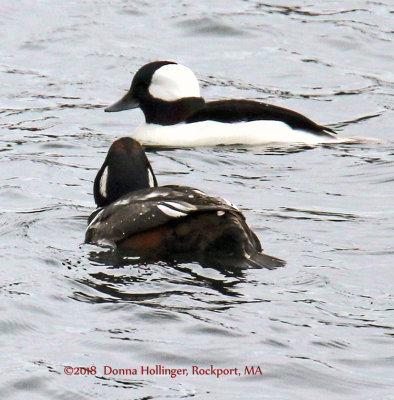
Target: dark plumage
[(191, 108), (177, 223), (249, 110)]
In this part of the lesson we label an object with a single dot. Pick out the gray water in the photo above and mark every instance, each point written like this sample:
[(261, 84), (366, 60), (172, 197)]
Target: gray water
[(319, 328)]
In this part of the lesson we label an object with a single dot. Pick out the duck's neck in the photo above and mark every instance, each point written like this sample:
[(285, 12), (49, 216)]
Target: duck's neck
[(170, 112)]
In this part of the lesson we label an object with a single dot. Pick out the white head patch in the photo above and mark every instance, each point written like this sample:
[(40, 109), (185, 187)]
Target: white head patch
[(173, 82)]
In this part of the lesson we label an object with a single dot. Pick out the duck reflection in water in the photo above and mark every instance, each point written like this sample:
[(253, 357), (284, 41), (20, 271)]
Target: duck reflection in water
[(115, 281)]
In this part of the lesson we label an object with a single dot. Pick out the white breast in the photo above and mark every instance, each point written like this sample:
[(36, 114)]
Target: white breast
[(212, 133)]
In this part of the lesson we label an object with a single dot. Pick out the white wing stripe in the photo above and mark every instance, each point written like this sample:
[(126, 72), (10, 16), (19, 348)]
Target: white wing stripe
[(94, 219), (181, 207), (122, 202), (171, 212), (230, 204)]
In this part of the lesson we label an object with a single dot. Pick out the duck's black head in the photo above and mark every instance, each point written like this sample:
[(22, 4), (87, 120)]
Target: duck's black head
[(166, 92), (126, 168)]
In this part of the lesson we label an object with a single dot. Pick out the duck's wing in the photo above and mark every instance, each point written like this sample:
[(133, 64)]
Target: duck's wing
[(147, 209), (231, 111)]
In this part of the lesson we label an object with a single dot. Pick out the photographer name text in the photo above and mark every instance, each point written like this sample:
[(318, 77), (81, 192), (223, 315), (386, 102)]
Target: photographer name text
[(161, 370)]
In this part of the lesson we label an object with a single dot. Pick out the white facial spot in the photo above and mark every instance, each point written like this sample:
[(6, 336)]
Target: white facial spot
[(103, 183), (170, 211), (220, 213), (173, 82)]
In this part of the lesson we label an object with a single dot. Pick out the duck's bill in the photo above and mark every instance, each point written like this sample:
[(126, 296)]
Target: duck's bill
[(126, 103)]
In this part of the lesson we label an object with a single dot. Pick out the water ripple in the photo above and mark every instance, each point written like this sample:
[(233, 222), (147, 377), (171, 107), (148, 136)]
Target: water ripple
[(322, 326)]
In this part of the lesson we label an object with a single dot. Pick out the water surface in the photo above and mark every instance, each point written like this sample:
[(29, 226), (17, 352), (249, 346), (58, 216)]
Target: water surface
[(322, 327)]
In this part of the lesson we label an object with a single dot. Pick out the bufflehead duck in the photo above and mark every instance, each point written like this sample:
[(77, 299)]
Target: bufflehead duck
[(171, 223), (177, 116)]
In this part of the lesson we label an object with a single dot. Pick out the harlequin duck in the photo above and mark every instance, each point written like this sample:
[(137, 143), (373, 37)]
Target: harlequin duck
[(170, 223), (177, 116)]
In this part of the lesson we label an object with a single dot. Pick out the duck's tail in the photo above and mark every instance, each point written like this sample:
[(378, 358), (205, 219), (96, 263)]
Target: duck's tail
[(261, 260), (256, 261)]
